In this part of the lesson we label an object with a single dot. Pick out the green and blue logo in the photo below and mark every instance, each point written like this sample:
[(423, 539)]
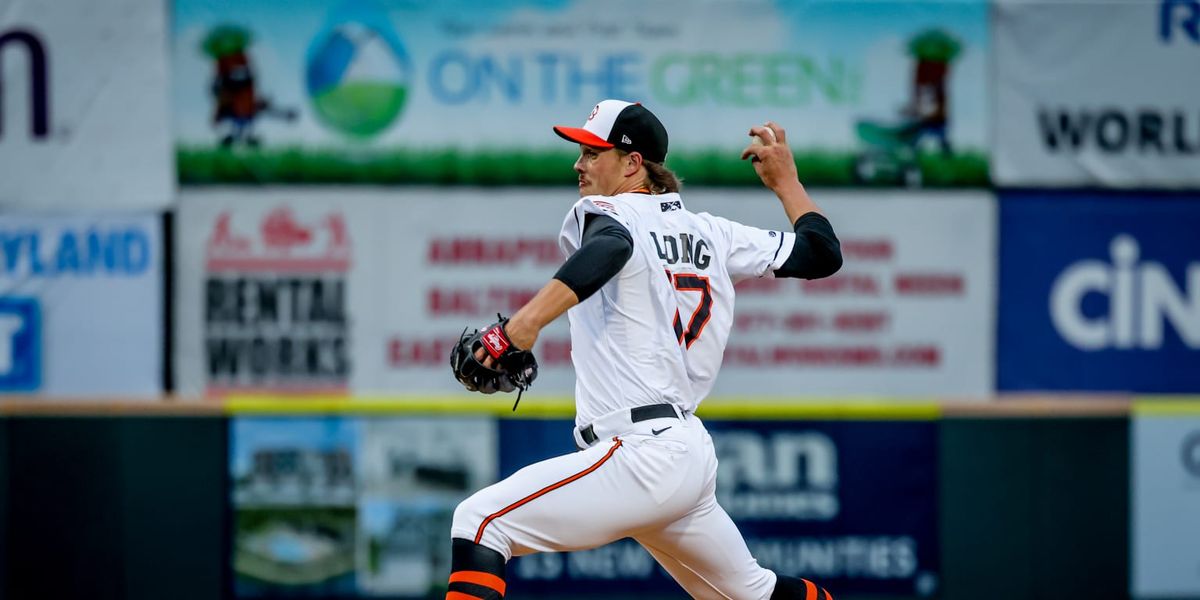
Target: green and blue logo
[(358, 73)]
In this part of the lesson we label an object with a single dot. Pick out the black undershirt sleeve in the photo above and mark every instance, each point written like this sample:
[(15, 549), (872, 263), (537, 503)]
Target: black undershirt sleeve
[(605, 249), (817, 252)]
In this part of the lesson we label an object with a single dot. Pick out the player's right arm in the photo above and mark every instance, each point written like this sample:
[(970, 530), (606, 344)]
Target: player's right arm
[(776, 167), (816, 251)]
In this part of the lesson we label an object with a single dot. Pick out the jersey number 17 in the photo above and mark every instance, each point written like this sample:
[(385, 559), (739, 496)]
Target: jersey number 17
[(689, 282)]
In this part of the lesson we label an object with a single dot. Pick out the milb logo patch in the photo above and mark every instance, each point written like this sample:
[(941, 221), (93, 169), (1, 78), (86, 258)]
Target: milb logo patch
[(20, 345), (670, 206)]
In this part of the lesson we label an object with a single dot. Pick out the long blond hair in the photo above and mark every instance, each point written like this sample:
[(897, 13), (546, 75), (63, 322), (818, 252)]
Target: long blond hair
[(659, 179)]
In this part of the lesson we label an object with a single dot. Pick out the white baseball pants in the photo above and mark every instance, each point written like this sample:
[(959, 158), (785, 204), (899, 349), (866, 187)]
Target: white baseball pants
[(654, 481)]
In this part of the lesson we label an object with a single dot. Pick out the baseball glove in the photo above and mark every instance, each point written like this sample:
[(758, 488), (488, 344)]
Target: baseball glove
[(511, 369)]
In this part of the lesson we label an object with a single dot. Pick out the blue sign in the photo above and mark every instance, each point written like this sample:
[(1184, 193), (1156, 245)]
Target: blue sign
[(1099, 293), (20, 345), (851, 505)]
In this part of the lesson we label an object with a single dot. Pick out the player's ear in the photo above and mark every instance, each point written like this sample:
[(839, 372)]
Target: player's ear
[(633, 161)]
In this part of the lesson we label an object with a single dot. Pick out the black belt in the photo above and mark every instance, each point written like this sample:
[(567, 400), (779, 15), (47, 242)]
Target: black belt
[(637, 415)]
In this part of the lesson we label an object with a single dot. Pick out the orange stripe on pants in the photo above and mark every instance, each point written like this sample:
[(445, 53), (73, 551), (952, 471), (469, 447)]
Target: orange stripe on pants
[(810, 590), (487, 580), (544, 491)]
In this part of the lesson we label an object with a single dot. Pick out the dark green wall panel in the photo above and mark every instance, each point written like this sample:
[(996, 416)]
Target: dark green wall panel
[(120, 508), (174, 507), (1035, 508), (4, 553), (65, 509)]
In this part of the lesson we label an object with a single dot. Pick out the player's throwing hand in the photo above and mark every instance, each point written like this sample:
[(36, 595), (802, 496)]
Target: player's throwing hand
[(771, 156)]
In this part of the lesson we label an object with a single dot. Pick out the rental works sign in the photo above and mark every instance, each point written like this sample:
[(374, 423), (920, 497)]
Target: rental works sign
[(1090, 96)]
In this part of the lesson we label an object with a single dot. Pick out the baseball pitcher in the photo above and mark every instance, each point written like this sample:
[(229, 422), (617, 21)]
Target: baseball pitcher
[(648, 287)]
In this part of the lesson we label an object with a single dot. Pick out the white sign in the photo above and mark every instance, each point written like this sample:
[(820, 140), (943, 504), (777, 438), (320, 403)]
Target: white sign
[(1166, 506), (265, 290), (911, 312), (83, 105), (1090, 96), (81, 306)]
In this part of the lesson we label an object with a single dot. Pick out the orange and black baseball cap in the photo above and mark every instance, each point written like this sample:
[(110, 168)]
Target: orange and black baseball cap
[(619, 124)]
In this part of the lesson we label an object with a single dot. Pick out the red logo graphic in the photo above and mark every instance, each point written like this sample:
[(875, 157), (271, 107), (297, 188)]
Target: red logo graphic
[(605, 206), (495, 342), (594, 112), (280, 230), (223, 236), (284, 243)]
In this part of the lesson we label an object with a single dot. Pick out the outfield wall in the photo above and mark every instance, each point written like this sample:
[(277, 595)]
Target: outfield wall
[(145, 503)]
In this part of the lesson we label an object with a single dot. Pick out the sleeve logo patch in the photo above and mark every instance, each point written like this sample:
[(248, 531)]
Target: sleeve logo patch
[(605, 206)]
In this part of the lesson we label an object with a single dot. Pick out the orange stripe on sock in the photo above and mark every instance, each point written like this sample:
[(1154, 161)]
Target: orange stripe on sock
[(487, 580), (460, 596), (546, 490), (810, 590)]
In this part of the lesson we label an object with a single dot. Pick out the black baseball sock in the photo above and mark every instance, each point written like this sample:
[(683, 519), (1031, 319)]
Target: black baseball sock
[(793, 588), (476, 572)]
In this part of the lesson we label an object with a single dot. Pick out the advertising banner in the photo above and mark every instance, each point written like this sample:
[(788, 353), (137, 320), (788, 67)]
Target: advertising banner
[(1165, 501), (295, 505), (83, 105), (264, 291), (339, 290), (910, 313), (415, 472), (368, 91), (805, 495), (1088, 96), (340, 507), (1099, 293), (81, 305)]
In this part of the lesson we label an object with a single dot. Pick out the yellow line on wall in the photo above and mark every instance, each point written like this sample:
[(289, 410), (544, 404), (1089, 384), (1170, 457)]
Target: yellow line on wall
[(1164, 406), (820, 409)]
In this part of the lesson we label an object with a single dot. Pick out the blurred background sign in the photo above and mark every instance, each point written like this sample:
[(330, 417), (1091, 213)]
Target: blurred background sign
[(377, 92), (339, 506), (1089, 96), (81, 305), (851, 503), (83, 105), (1099, 292), (1165, 500), (361, 291)]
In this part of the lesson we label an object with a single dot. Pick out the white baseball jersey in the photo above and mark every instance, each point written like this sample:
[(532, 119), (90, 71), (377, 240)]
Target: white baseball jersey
[(656, 332)]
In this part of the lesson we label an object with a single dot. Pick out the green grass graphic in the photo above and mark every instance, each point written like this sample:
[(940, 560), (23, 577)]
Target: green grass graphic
[(306, 165), (361, 108)]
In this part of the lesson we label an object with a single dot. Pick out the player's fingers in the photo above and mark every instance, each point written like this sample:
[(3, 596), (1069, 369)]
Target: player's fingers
[(751, 152), (764, 134), (777, 130), (483, 357)]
